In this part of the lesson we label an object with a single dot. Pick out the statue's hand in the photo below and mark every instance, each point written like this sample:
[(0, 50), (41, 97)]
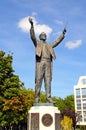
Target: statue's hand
[(31, 21), (64, 31)]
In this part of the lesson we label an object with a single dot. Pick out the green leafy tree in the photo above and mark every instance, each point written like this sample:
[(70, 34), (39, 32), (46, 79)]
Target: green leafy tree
[(69, 102), (62, 104), (59, 102), (14, 100), (67, 108), (42, 97)]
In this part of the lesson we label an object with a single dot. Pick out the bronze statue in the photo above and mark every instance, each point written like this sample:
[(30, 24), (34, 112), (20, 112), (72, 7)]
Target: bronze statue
[(44, 56)]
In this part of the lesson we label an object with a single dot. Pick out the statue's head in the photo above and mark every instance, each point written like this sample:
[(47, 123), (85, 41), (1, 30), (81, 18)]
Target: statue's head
[(43, 36)]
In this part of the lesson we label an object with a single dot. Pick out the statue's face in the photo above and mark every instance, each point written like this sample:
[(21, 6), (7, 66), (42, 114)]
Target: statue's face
[(43, 36)]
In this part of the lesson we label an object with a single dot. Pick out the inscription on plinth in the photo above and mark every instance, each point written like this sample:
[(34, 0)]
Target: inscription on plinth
[(57, 121), (34, 121)]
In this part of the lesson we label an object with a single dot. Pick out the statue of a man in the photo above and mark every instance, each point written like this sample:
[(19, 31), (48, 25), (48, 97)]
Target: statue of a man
[(44, 56)]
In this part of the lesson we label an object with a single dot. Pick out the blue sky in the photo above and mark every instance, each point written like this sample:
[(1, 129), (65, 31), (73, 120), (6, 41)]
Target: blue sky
[(51, 17)]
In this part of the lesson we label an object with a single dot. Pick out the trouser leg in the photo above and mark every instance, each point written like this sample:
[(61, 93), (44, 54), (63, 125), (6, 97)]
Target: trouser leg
[(38, 80), (48, 90), (48, 87), (47, 80), (37, 89)]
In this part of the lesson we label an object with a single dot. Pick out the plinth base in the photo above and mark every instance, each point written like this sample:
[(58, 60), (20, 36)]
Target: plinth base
[(43, 117)]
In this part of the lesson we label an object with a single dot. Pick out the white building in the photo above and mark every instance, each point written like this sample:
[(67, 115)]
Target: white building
[(80, 100)]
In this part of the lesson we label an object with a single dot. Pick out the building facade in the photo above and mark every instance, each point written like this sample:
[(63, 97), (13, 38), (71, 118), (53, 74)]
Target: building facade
[(80, 100)]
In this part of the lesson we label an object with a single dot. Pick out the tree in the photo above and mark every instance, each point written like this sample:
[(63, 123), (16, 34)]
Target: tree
[(67, 108), (69, 102), (66, 123), (59, 102), (42, 97), (70, 113), (14, 100), (62, 104)]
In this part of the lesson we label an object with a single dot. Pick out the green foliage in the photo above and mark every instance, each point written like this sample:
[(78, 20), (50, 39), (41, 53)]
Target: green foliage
[(59, 102), (15, 100), (42, 97), (5, 66), (30, 94), (69, 101), (66, 106)]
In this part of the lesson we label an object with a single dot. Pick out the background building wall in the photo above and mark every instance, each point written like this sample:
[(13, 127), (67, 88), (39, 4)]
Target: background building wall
[(80, 100)]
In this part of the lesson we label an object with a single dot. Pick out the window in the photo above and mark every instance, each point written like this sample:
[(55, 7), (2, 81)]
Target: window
[(84, 103), (78, 103), (83, 92), (83, 81), (77, 93), (84, 113)]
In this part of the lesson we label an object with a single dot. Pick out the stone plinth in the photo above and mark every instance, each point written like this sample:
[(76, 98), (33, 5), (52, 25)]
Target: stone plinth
[(43, 116)]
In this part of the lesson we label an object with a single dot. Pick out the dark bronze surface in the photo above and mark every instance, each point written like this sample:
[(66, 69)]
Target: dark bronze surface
[(57, 121), (47, 120), (44, 57), (34, 121)]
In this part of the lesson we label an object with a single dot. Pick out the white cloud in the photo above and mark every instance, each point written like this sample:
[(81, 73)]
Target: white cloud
[(24, 25), (73, 45)]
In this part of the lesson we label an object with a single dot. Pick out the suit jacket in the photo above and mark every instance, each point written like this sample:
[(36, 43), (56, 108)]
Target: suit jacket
[(39, 46), (39, 50)]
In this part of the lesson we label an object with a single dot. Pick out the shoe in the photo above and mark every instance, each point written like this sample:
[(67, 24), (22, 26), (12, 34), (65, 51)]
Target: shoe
[(49, 100)]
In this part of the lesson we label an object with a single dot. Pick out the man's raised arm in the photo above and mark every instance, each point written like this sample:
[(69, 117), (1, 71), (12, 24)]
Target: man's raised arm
[(58, 40), (32, 33)]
